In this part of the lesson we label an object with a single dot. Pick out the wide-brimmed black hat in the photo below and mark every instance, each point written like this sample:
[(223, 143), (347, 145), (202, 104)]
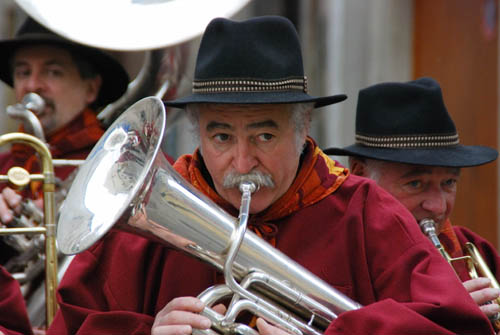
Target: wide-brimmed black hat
[(409, 123), (256, 61), (114, 77)]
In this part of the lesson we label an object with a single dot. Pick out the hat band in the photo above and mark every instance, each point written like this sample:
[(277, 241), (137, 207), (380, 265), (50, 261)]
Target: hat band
[(410, 141), (250, 85)]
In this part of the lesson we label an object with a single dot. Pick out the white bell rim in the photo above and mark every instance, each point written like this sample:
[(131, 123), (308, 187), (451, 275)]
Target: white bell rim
[(129, 25)]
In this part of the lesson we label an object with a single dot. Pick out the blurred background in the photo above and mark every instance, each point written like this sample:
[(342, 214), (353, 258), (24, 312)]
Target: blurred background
[(351, 44)]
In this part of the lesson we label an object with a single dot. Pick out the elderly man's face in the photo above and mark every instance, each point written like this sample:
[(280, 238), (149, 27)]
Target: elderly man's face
[(249, 138), (51, 72), (426, 191)]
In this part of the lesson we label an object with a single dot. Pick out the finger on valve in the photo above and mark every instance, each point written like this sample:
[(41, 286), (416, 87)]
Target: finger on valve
[(267, 329), (180, 316)]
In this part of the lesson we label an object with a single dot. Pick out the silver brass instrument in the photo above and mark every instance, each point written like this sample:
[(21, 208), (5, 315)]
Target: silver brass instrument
[(24, 112), (127, 183), (19, 177), (475, 263)]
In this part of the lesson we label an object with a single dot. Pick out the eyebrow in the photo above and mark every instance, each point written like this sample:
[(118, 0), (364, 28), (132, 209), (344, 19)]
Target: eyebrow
[(420, 171), (255, 125), (47, 63), (217, 125), (263, 124)]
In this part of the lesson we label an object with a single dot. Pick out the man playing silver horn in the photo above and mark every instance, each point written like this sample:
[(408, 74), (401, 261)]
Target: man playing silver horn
[(252, 112), (73, 80), (423, 171)]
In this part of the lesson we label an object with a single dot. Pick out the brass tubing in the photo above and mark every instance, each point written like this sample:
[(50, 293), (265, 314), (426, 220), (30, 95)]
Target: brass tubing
[(484, 271), (33, 177), (49, 228), (23, 230)]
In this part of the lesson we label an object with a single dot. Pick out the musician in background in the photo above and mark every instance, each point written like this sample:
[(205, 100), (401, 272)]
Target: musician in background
[(423, 169), (74, 81), (251, 113)]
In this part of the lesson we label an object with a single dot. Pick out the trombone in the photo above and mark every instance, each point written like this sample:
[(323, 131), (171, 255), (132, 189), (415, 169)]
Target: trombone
[(19, 178), (476, 265)]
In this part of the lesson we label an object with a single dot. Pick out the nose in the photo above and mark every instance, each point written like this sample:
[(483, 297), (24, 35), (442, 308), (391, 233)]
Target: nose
[(33, 83), (435, 203), (244, 159)]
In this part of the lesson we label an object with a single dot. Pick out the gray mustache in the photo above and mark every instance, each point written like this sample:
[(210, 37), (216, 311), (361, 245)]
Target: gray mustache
[(260, 179)]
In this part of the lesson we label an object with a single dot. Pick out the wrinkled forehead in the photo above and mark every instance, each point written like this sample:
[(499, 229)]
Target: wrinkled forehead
[(244, 114), (413, 170), (238, 108)]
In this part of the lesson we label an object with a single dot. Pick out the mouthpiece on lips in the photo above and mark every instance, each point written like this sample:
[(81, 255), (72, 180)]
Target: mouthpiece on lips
[(427, 226), (33, 102), (248, 186)]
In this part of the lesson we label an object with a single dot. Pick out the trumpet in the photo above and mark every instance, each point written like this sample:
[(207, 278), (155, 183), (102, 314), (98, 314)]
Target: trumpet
[(476, 265), (127, 169)]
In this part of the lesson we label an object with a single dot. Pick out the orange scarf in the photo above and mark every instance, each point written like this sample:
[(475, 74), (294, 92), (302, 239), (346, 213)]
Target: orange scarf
[(84, 131), (318, 177), (449, 239)]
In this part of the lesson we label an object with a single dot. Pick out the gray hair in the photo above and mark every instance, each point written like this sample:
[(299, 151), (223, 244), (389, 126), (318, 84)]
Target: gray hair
[(373, 167), (193, 115), (300, 116)]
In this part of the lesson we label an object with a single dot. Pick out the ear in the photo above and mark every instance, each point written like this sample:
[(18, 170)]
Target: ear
[(357, 166), (93, 88)]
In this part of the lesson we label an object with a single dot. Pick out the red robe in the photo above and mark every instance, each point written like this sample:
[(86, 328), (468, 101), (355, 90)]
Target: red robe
[(345, 229), (13, 316)]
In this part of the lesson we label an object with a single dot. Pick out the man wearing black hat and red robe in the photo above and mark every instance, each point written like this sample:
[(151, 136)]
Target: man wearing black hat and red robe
[(407, 142), (251, 113), (74, 81)]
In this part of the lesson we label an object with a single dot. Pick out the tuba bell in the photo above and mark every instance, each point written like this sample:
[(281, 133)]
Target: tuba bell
[(127, 172), (164, 31)]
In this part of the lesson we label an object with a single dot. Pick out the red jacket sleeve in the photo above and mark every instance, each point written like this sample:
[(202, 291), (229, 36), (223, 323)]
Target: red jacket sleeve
[(87, 305)]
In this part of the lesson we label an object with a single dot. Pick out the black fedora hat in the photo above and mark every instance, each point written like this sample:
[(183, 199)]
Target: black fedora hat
[(114, 77), (256, 61), (408, 123)]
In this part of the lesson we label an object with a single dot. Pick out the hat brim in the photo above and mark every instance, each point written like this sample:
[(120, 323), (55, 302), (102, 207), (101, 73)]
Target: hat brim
[(114, 77), (456, 156), (255, 98)]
